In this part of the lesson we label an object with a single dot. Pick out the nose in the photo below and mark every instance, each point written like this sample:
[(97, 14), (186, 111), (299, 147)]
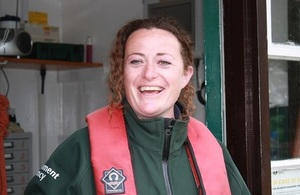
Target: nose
[(150, 71)]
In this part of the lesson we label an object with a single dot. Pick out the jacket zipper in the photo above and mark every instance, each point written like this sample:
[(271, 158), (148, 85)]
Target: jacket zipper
[(165, 156)]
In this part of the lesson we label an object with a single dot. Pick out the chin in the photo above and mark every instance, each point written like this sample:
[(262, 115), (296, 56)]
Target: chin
[(147, 114)]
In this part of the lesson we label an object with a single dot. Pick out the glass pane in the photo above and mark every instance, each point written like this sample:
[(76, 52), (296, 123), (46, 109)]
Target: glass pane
[(284, 100), (284, 94), (285, 16)]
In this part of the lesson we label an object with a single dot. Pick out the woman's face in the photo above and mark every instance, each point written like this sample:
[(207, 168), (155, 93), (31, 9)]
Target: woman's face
[(154, 72)]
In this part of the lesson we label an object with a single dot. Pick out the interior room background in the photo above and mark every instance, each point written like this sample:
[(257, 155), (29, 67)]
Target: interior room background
[(71, 94)]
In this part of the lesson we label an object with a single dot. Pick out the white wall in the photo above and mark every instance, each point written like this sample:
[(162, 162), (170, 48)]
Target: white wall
[(71, 94)]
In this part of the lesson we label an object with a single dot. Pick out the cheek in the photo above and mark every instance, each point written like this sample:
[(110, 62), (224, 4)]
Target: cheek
[(126, 84), (186, 77), (129, 79), (126, 76), (183, 82), (178, 79)]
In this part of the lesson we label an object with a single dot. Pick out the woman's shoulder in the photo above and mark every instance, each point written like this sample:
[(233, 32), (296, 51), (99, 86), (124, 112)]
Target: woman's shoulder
[(78, 140), (67, 169), (79, 136)]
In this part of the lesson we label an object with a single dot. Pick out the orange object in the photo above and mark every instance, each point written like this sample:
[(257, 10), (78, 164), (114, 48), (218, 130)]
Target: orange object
[(106, 158), (4, 120)]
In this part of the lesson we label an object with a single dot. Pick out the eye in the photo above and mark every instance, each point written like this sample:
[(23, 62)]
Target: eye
[(135, 61), (164, 63)]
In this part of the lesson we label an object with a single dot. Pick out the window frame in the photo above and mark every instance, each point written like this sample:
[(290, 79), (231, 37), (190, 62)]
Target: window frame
[(287, 52), (279, 51)]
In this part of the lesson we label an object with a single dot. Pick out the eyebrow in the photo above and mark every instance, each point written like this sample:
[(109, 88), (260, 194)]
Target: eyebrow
[(161, 54), (141, 54), (136, 53)]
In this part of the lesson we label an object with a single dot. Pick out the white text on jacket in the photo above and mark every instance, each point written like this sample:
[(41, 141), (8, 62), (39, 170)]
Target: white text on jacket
[(44, 171)]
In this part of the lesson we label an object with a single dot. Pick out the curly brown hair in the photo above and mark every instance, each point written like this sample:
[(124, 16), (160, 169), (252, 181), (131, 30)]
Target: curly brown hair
[(116, 75)]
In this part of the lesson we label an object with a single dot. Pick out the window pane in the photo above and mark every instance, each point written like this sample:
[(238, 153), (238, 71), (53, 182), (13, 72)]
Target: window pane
[(284, 94), (284, 99), (285, 16)]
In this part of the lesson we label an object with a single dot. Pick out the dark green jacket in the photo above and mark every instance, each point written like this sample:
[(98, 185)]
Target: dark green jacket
[(69, 172)]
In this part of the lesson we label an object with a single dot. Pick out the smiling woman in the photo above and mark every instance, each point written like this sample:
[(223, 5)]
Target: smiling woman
[(147, 130), (184, 56), (154, 73)]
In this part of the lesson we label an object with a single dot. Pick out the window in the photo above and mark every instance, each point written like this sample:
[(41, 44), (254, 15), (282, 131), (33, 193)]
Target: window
[(283, 19), (283, 29)]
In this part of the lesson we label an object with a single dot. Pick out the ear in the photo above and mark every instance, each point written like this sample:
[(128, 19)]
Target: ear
[(188, 73)]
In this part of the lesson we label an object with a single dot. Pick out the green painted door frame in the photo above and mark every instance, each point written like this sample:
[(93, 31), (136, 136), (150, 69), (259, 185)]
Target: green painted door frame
[(213, 67)]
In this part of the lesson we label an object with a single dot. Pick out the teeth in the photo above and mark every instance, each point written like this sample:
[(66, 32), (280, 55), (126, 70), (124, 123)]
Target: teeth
[(150, 88)]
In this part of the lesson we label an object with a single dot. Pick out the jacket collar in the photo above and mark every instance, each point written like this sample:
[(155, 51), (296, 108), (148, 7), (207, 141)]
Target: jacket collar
[(150, 133)]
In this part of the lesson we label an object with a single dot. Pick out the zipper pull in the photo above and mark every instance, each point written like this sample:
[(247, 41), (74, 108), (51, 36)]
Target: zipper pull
[(168, 132)]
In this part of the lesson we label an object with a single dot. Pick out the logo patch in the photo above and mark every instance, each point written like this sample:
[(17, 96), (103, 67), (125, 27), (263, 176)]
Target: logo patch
[(113, 180)]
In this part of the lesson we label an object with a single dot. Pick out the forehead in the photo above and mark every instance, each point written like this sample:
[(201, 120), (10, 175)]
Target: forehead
[(153, 37)]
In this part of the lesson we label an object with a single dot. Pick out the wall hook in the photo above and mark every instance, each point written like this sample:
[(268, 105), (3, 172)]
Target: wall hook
[(200, 86), (43, 75)]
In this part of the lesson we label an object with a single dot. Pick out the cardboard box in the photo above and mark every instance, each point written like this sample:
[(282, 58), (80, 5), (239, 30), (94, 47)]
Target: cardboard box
[(43, 33)]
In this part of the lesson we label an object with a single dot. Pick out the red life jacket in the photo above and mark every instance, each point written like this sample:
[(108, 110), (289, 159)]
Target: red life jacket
[(108, 139)]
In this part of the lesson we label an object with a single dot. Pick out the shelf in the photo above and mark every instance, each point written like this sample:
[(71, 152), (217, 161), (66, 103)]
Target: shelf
[(26, 63)]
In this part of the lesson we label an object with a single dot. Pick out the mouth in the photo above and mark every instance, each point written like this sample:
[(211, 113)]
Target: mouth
[(150, 89)]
